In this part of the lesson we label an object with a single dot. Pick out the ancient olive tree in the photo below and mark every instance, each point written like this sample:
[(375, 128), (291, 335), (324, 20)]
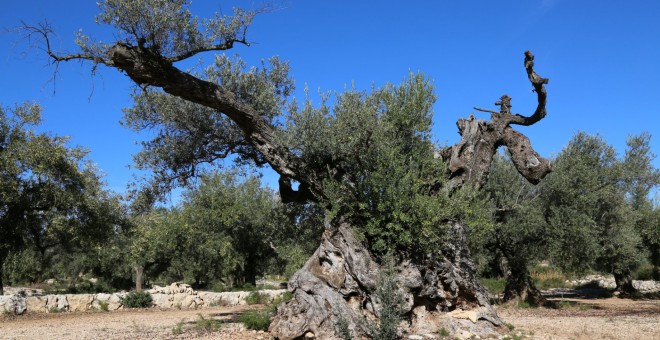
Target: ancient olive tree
[(366, 158)]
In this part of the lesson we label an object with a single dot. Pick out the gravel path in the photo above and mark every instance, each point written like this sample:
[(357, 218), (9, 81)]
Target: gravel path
[(579, 319), (128, 324)]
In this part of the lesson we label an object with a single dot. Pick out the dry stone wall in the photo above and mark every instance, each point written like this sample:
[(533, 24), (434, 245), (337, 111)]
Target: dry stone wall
[(175, 295)]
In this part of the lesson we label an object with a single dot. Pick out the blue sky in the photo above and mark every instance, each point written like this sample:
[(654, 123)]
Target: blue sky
[(602, 58)]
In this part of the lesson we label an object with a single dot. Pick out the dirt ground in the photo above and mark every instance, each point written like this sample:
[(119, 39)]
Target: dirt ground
[(578, 318)]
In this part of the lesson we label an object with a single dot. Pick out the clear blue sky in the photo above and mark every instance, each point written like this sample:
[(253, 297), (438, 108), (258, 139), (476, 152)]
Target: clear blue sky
[(602, 58)]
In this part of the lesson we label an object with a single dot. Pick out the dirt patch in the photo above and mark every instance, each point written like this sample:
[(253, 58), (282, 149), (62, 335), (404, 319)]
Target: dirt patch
[(128, 324), (575, 318)]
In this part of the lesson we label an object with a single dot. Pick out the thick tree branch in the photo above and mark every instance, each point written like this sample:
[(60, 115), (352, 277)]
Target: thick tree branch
[(144, 66), (469, 160)]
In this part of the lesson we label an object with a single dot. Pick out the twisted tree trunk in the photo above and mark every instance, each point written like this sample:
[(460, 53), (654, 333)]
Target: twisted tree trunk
[(335, 289)]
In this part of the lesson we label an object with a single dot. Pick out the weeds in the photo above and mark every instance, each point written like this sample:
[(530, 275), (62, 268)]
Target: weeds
[(203, 324), (257, 298), (104, 306), (178, 328), (256, 320), (443, 332), (56, 310), (494, 285)]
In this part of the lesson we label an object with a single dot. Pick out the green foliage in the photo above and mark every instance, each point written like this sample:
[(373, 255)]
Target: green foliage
[(644, 272), (178, 328), (375, 149), (590, 222), (443, 332), (203, 324), (494, 285), (104, 306), (390, 301), (256, 297), (52, 201), (256, 320), (137, 300)]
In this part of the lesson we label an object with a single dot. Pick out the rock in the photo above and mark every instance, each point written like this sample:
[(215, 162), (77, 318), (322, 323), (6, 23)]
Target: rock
[(212, 299), (57, 303), (162, 300), (415, 337), (14, 304), (79, 302), (472, 315), (37, 304), (309, 335)]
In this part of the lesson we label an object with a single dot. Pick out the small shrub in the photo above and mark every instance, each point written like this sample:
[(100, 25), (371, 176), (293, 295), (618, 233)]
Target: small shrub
[(207, 325), (56, 310), (178, 328), (104, 306), (137, 300), (509, 326), (256, 298), (443, 332), (391, 301), (524, 304), (218, 287), (256, 320), (644, 272)]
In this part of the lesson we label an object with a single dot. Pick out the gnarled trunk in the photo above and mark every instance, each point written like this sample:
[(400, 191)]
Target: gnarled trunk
[(624, 282), (336, 289), (519, 284)]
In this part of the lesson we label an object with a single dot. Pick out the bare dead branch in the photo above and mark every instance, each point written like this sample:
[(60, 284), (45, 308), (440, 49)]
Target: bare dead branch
[(485, 110), (220, 47)]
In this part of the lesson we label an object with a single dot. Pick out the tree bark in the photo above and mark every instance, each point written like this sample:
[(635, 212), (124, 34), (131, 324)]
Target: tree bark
[(520, 286), (470, 159), (624, 282), (337, 286), (139, 273)]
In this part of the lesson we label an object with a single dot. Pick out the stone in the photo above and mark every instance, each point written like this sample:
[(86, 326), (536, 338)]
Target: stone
[(472, 315), (162, 300), (37, 304), (57, 303), (79, 302), (14, 304)]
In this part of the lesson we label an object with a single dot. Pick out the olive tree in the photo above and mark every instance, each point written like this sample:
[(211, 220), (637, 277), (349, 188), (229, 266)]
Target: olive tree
[(365, 158), (51, 198)]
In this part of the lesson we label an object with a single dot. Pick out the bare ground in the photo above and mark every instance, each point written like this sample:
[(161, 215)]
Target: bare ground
[(578, 318), (587, 318)]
